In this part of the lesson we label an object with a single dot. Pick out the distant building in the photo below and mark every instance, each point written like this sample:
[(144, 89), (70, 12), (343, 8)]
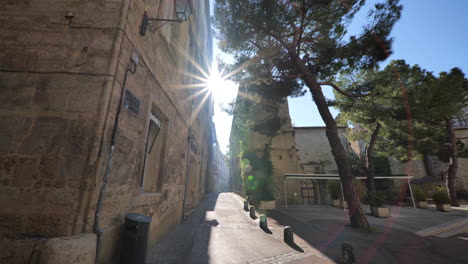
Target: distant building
[(220, 169), (461, 120), (314, 149)]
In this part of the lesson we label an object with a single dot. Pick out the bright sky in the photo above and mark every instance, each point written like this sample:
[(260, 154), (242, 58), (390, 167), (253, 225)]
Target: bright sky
[(431, 33)]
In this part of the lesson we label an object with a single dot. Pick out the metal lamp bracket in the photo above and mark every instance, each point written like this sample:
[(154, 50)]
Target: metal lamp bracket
[(151, 24)]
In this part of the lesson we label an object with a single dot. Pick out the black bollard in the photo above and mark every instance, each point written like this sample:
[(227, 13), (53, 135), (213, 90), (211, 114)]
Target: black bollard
[(252, 212), (288, 235), (246, 206), (347, 254), (263, 222)]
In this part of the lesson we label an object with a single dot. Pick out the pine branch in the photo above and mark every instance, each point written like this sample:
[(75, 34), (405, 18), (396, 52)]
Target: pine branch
[(338, 89)]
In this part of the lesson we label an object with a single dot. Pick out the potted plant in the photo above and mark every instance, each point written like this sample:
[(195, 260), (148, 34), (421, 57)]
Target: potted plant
[(335, 192), (442, 200), (377, 200), (420, 198)]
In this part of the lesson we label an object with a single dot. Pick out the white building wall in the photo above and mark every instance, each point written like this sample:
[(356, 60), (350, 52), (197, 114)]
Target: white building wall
[(314, 150)]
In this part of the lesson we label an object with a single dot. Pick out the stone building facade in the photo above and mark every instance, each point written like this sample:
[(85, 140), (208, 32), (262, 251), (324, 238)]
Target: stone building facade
[(98, 121), (315, 151), (220, 173)]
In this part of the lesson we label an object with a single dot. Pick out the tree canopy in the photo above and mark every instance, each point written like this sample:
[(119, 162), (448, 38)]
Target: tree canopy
[(288, 44), (431, 102)]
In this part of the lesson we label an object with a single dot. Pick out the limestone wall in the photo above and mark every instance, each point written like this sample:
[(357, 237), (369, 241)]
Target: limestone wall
[(60, 84), (314, 149)]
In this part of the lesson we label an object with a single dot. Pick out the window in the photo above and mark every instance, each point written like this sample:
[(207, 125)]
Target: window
[(151, 179)]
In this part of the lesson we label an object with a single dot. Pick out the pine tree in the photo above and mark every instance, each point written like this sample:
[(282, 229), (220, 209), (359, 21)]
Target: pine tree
[(306, 42), (432, 102)]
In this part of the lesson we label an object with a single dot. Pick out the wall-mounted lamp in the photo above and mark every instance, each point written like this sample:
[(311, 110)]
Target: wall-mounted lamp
[(182, 12)]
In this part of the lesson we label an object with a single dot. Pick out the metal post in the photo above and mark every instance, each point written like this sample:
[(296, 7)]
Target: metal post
[(342, 194), (411, 191), (285, 193)]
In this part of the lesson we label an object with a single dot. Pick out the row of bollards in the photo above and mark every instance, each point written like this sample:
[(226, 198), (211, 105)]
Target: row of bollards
[(347, 252), (252, 214)]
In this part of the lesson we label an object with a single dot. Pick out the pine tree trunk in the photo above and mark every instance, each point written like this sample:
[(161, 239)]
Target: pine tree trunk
[(453, 166), (370, 163), (355, 210)]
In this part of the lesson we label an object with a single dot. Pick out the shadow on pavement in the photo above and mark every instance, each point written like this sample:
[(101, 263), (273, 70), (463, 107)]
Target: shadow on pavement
[(189, 241), (295, 247), (388, 245)]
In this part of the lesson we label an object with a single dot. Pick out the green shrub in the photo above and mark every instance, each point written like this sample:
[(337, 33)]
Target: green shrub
[(377, 199), (441, 197), (335, 189), (419, 194), (257, 181)]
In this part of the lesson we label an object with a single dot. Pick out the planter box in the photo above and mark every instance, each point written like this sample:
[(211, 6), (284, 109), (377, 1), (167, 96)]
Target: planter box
[(380, 211), (421, 204), (343, 204), (444, 207), (336, 203), (267, 205)]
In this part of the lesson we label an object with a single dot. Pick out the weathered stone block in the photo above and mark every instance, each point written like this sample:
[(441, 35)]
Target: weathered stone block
[(11, 224), (50, 94), (17, 90), (13, 198), (17, 58), (49, 225), (12, 131), (78, 139), (79, 249), (85, 94), (63, 196), (49, 174), (26, 172), (75, 249), (7, 169), (71, 171), (46, 138), (17, 250)]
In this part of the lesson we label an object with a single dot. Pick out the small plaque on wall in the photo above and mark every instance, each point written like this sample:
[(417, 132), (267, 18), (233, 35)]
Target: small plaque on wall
[(131, 102)]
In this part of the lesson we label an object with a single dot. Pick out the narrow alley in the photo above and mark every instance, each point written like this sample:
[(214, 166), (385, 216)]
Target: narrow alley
[(220, 231)]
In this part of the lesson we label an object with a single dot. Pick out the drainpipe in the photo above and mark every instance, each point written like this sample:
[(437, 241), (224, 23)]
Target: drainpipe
[(189, 140), (97, 228)]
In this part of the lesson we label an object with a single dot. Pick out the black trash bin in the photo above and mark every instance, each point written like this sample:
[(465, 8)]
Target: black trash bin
[(135, 238)]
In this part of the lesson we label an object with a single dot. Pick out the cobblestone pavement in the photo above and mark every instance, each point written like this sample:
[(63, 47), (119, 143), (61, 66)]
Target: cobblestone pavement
[(220, 231)]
